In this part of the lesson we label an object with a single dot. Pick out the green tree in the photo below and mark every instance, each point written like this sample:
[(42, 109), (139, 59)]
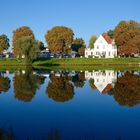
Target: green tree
[(91, 83), (59, 39), (41, 45), (92, 41), (77, 44), (26, 84), (79, 80), (29, 48), (127, 37), (111, 34), (4, 43), (19, 33)]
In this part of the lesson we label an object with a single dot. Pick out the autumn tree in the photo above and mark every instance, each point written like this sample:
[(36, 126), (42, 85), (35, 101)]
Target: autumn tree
[(127, 89), (4, 83), (60, 89), (26, 84), (59, 39), (81, 51), (127, 37), (4, 43), (92, 41), (28, 47), (19, 33)]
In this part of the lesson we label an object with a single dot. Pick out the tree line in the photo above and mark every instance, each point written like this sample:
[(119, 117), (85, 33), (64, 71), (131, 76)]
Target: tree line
[(61, 39)]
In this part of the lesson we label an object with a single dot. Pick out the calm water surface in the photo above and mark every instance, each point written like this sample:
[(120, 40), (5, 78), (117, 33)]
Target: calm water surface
[(69, 105)]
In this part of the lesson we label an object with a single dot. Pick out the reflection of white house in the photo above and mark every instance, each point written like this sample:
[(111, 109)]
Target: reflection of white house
[(103, 80), (104, 46)]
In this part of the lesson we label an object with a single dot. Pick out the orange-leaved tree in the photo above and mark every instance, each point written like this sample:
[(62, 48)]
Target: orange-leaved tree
[(127, 37), (59, 39)]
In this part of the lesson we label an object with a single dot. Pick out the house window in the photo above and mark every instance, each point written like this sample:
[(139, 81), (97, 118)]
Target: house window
[(109, 53), (91, 53), (97, 80), (97, 53), (97, 47)]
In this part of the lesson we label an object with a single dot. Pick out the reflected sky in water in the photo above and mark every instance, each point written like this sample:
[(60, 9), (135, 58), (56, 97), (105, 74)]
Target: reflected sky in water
[(45, 105)]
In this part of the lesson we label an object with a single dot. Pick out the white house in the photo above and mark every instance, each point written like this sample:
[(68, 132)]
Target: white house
[(104, 46), (103, 80)]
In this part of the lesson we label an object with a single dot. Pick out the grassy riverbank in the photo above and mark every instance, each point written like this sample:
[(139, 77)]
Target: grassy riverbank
[(75, 64), (88, 62), (11, 62)]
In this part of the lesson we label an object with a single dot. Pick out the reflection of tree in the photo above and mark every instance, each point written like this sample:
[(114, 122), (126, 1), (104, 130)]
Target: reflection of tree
[(91, 83), (59, 88), (4, 84), (53, 135), (127, 89), (26, 84), (6, 135), (79, 80)]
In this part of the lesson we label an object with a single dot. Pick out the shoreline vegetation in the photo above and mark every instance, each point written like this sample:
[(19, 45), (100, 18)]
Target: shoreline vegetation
[(73, 64), (62, 42)]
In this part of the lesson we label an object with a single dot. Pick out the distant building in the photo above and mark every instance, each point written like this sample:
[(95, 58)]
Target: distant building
[(104, 47), (103, 80)]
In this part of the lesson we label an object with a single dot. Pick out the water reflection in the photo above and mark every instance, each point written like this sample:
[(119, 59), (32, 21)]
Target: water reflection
[(127, 89), (61, 85), (123, 86), (104, 81), (4, 83), (59, 88), (25, 84), (78, 103), (6, 135), (79, 79)]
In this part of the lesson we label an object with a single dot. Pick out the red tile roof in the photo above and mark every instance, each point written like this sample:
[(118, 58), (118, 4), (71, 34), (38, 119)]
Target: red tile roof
[(107, 38), (107, 88)]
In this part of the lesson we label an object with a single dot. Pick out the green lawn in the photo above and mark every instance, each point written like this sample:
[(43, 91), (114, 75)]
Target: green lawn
[(11, 61), (75, 63), (88, 62)]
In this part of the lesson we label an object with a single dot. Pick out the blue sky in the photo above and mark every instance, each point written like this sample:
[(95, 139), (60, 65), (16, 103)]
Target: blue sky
[(85, 17)]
